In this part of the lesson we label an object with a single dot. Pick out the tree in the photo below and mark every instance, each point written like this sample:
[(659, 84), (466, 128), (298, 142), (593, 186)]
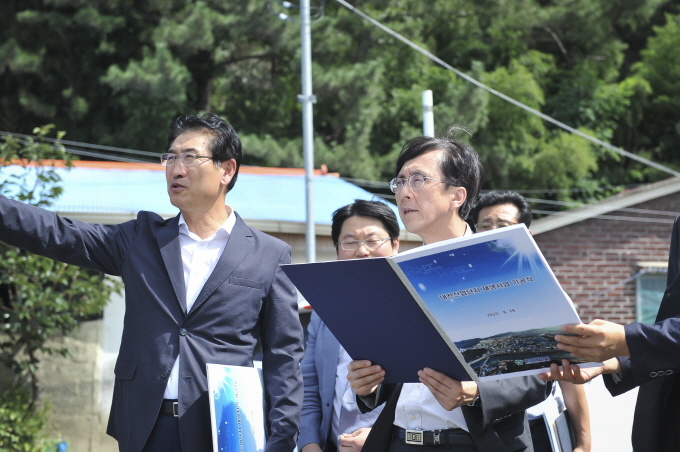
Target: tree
[(116, 72), (39, 298)]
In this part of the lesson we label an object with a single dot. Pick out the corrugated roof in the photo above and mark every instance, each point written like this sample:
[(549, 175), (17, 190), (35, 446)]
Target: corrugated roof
[(613, 203)]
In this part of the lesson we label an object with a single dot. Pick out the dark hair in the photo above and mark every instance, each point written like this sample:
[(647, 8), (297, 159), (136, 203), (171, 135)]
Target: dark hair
[(496, 198), (459, 164), (361, 208), (224, 143)]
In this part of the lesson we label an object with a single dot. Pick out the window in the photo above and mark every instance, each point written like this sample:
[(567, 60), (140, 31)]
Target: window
[(650, 287)]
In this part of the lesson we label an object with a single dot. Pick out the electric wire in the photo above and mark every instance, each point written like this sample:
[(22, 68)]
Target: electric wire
[(508, 98)]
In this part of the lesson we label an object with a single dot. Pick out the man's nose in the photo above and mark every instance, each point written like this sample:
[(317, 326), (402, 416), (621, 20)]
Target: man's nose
[(362, 250), (177, 169)]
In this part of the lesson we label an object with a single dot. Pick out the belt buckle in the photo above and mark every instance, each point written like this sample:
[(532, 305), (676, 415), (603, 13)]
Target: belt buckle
[(414, 437), (175, 409), (436, 434)]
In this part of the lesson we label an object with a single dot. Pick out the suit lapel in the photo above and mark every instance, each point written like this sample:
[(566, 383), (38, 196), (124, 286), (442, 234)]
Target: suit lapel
[(238, 246), (168, 242), (329, 353)]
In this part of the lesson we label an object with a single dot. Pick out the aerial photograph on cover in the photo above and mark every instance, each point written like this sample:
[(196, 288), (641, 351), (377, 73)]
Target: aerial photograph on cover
[(497, 301)]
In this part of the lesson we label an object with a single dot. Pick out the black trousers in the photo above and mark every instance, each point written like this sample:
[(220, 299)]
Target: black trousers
[(539, 436), (164, 436)]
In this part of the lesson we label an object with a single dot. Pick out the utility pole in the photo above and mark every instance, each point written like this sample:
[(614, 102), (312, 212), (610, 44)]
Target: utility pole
[(428, 114), (307, 99)]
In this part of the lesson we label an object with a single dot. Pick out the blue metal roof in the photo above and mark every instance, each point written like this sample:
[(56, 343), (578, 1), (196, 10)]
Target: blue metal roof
[(254, 197)]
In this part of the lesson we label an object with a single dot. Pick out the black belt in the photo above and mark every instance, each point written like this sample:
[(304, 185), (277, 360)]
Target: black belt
[(451, 437), (170, 407)]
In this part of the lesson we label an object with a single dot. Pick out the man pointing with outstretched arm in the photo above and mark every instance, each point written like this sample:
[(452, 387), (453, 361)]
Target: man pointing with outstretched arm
[(201, 287)]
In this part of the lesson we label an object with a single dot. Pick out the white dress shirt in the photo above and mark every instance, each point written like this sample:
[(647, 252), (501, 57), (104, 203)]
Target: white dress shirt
[(199, 258), (417, 408)]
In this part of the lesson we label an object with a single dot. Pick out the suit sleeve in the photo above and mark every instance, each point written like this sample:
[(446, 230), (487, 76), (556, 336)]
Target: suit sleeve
[(649, 347), (39, 231), (502, 398), (310, 425), (282, 352), (653, 348)]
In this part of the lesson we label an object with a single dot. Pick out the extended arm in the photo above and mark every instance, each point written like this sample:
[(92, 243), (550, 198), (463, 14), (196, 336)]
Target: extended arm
[(577, 407), (93, 246), (282, 352)]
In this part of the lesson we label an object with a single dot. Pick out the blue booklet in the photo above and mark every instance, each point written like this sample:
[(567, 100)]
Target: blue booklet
[(236, 408), (485, 306)]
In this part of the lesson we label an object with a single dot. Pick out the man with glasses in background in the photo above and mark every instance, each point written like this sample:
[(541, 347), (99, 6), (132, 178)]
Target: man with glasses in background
[(500, 209), (331, 420), (201, 287), (437, 181)]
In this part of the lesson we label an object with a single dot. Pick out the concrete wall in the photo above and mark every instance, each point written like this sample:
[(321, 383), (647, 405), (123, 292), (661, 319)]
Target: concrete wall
[(73, 387)]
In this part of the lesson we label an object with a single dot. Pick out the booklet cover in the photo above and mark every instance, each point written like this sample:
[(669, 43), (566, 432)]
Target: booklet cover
[(483, 306), (236, 408)]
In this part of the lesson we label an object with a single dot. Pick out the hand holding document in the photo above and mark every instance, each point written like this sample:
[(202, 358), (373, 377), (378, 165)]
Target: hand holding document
[(485, 306)]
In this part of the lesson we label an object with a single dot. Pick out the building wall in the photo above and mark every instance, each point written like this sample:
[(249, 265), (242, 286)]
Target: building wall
[(597, 254)]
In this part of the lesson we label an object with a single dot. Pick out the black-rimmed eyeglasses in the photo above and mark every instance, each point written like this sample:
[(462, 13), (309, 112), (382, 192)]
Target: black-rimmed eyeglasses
[(371, 244), (416, 182), (185, 158)]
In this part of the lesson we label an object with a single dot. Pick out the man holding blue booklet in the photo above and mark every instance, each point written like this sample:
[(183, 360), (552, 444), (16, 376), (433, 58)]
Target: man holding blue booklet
[(437, 181)]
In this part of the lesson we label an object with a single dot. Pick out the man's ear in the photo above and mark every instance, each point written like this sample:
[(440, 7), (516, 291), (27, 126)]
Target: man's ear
[(458, 197), (395, 247), (229, 169)]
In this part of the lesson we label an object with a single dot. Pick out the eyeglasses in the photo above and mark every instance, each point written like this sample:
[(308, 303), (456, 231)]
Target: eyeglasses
[(480, 227), (416, 182), (185, 158), (371, 244)]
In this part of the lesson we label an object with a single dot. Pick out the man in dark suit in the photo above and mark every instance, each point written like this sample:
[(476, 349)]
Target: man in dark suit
[(437, 181), (635, 355), (201, 287)]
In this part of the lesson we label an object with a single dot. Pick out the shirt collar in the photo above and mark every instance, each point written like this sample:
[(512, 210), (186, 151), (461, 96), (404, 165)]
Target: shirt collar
[(224, 230)]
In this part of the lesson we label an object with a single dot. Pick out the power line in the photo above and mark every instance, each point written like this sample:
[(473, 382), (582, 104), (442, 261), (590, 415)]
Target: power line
[(27, 139), (84, 145), (380, 184), (508, 98), (624, 209), (586, 216), (383, 184)]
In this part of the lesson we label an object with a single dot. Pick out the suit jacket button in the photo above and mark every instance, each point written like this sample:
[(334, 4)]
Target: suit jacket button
[(165, 373), (183, 332)]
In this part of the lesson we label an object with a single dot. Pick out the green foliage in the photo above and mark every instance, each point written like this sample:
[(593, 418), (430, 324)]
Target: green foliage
[(116, 72), (39, 298), (661, 111), (21, 429)]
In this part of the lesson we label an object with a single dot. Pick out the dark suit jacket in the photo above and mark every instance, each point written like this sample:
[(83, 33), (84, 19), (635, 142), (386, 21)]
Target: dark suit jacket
[(654, 365), (247, 297), (497, 424)]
